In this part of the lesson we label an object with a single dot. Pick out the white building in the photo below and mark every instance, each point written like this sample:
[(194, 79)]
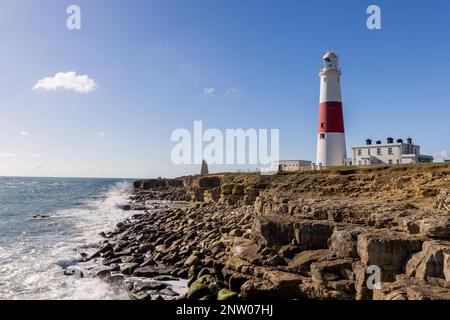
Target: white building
[(292, 165), (389, 153)]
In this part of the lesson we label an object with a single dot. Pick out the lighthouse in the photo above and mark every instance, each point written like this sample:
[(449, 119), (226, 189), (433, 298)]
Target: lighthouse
[(331, 149)]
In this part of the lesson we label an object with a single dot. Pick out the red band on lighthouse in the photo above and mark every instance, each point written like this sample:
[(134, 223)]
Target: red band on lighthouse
[(331, 118)]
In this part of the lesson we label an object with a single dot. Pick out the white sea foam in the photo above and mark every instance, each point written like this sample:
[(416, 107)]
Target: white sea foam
[(32, 269)]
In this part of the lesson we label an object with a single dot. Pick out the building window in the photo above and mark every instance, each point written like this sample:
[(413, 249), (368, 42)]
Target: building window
[(368, 152), (398, 161), (390, 151), (322, 136), (359, 152), (390, 161), (379, 151)]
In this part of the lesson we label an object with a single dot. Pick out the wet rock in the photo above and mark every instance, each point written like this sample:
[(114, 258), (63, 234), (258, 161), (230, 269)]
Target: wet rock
[(165, 278), (114, 267), (236, 280), (105, 248), (74, 271), (129, 268), (149, 286), (143, 248), (225, 295), (192, 261), (150, 271), (103, 273), (169, 292)]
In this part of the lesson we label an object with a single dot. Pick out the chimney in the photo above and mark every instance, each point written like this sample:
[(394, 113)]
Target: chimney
[(390, 140), (379, 142), (410, 140), (368, 142), (399, 140)]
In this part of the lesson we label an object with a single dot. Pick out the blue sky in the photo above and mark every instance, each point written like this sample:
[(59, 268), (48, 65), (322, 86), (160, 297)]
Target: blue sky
[(152, 60)]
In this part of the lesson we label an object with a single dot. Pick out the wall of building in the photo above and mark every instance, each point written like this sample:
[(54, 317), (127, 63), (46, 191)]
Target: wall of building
[(293, 165), (370, 155)]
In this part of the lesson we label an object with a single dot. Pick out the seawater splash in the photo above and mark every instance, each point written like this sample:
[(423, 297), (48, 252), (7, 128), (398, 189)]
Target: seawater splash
[(33, 254)]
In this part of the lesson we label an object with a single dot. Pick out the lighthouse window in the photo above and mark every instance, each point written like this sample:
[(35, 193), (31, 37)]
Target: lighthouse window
[(322, 136)]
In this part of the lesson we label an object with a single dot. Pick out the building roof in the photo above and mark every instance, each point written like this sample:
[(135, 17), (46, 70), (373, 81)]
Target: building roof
[(383, 145)]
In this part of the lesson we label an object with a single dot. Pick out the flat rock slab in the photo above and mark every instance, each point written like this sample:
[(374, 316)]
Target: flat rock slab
[(151, 271), (301, 262)]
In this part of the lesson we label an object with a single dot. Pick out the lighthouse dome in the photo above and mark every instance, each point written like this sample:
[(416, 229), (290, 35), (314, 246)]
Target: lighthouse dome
[(330, 62), (330, 56)]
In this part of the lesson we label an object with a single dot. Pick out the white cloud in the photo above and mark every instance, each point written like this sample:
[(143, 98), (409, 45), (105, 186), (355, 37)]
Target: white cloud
[(441, 155), (101, 134), (233, 92), (208, 91), (24, 133), (66, 81), (35, 155), (7, 155)]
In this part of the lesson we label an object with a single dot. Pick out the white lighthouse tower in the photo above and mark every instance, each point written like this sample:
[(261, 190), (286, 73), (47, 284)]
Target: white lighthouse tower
[(331, 150)]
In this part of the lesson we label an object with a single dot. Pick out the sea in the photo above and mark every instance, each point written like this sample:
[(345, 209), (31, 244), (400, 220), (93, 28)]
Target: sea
[(35, 252)]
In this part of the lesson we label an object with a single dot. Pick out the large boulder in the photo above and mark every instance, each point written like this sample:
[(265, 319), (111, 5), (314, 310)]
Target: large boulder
[(246, 249), (363, 292), (258, 289), (275, 285), (301, 263), (405, 288), (432, 261), (325, 271), (435, 226), (388, 250), (316, 291), (343, 241), (280, 230)]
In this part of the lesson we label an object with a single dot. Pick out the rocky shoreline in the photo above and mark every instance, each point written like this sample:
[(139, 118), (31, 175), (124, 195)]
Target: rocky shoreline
[(311, 235)]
